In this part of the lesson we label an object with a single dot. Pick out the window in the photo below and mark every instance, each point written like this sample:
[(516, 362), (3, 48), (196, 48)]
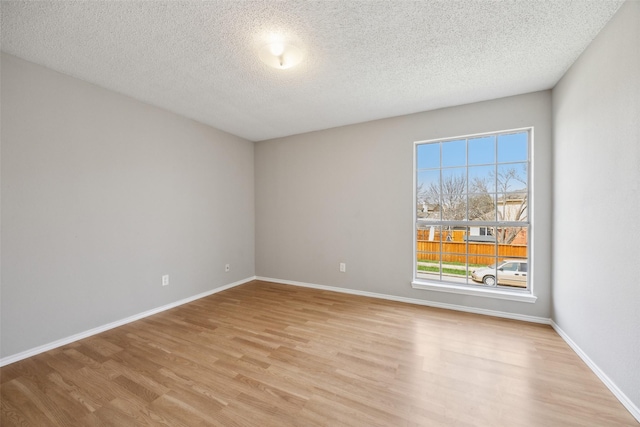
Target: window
[(472, 199)]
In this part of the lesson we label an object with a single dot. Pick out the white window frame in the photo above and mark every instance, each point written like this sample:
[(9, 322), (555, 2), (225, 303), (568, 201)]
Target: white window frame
[(520, 295)]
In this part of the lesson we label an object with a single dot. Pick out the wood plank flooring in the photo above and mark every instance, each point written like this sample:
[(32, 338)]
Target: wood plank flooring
[(265, 354)]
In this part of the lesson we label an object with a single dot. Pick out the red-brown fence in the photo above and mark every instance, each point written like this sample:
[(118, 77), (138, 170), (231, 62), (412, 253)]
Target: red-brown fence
[(479, 253)]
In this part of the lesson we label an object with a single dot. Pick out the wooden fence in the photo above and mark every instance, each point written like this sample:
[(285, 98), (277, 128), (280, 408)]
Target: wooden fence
[(479, 253)]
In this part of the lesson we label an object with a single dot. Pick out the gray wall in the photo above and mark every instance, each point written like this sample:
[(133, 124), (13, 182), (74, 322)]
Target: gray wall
[(101, 196), (596, 237), (345, 195)]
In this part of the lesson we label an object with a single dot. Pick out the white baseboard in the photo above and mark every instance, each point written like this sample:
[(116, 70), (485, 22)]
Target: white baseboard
[(631, 407), (64, 341), (506, 315)]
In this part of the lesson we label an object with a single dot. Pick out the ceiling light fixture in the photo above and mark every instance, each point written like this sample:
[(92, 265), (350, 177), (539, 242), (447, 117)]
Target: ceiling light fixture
[(280, 55)]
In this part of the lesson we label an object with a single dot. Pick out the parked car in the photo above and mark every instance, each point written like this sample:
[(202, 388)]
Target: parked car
[(510, 272)]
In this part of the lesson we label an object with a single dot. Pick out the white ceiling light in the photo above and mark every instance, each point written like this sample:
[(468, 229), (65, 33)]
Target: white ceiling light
[(280, 55)]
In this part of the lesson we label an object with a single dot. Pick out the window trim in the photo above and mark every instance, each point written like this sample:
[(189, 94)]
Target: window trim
[(501, 293), (469, 289)]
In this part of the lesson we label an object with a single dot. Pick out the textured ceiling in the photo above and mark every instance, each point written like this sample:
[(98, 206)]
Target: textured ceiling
[(364, 60)]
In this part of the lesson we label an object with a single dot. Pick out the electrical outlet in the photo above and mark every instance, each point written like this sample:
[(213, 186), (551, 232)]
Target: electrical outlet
[(227, 267), (343, 267), (165, 280)]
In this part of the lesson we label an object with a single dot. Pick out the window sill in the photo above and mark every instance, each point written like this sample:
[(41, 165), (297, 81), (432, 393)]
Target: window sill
[(521, 296)]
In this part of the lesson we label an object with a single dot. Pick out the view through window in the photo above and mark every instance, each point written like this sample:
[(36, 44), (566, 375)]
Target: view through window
[(472, 210)]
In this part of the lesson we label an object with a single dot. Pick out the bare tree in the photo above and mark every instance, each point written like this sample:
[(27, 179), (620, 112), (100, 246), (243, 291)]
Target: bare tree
[(514, 206), (455, 203), (480, 201), (450, 199)]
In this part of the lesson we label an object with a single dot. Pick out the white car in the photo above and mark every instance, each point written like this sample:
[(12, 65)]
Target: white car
[(510, 272)]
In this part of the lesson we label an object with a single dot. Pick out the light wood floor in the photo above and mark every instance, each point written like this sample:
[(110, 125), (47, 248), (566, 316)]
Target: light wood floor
[(265, 354)]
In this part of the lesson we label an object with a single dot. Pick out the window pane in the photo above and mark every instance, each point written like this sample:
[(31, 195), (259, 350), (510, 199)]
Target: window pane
[(482, 207), (428, 181), (512, 207), (454, 207), (454, 153), (428, 266), (454, 181), (512, 273), (512, 252), (512, 242), (428, 195), (428, 247), (428, 156), (454, 198), (482, 179), (454, 260), (512, 177), (482, 151), (482, 246), (513, 147), (428, 238)]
